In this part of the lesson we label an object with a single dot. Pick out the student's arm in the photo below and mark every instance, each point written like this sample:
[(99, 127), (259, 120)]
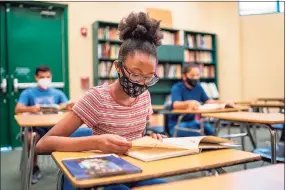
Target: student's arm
[(178, 103), (57, 139), (23, 102)]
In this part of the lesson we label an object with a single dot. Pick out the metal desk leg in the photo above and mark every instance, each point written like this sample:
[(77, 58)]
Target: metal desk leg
[(31, 160), (178, 125), (24, 160), (217, 127), (273, 143), (220, 171), (250, 136), (242, 138)]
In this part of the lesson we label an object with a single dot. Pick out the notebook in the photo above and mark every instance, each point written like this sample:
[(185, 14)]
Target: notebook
[(149, 149), (99, 166)]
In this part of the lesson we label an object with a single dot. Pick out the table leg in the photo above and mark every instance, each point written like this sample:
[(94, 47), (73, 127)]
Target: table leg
[(220, 171), (250, 136), (25, 158), (216, 127), (242, 138), (273, 143), (31, 160), (178, 124)]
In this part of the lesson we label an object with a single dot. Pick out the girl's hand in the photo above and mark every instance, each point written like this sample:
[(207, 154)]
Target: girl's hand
[(113, 144), (158, 136)]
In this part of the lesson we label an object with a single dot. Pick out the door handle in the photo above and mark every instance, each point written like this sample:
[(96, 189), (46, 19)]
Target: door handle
[(4, 85), (15, 84)]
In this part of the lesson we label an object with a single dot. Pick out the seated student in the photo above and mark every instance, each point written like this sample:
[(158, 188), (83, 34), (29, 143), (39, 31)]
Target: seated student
[(30, 101), (117, 112), (189, 94)]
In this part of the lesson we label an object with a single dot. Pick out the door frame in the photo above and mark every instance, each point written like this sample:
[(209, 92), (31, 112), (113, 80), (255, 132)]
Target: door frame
[(65, 38)]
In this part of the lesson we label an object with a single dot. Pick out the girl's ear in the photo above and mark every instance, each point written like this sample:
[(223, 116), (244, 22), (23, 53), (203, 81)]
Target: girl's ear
[(117, 66), (183, 77)]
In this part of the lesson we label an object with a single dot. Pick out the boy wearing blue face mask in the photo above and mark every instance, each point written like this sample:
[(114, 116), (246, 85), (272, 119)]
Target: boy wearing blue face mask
[(189, 94), (31, 99)]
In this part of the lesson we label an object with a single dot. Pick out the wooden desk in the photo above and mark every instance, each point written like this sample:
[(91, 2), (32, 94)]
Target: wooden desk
[(266, 178), (161, 168), (35, 120), (27, 121), (266, 119), (202, 111), (268, 105), (271, 99)]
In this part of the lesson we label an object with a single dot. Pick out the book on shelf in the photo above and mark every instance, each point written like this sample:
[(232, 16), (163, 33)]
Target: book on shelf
[(190, 41), (169, 71), (205, 57), (149, 149), (107, 69), (108, 33), (170, 38), (106, 50), (99, 166), (189, 56), (210, 89), (207, 71)]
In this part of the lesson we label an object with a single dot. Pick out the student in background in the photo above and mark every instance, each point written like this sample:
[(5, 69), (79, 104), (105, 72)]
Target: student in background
[(31, 99), (189, 94), (116, 112)]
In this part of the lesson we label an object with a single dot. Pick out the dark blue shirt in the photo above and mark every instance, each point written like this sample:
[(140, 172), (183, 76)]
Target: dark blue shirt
[(180, 92), (35, 95)]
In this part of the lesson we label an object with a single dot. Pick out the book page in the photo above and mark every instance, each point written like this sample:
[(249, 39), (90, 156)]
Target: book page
[(150, 154), (153, 143), (212, 106)]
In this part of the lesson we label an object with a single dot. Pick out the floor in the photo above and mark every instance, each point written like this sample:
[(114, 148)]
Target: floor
[(10, 175)]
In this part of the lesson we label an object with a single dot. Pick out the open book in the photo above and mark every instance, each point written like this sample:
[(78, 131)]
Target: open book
[(212, 106), (149, 149)]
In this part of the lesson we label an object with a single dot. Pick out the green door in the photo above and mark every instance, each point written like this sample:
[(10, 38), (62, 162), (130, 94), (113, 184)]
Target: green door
[(4, 108), (35, 35)]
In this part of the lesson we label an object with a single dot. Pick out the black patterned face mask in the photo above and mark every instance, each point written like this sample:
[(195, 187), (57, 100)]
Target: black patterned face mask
[(130, 88)]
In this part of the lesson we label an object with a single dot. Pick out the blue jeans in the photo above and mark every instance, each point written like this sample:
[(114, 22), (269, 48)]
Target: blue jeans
[(80, 132), (208, 129)]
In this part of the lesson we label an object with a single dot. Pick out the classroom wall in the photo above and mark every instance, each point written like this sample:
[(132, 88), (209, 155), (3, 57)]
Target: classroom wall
[(262, 55), (218, 17)]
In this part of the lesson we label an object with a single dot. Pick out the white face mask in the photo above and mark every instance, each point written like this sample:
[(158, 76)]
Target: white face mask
[(45, 83)]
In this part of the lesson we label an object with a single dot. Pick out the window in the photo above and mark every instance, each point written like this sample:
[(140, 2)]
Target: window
[(249, 8)]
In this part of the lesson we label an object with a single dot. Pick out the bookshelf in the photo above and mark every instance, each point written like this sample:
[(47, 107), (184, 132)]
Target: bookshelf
[(178, 48)]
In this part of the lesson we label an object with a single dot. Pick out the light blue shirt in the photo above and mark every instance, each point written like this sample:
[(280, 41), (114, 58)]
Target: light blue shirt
[(35, 95)]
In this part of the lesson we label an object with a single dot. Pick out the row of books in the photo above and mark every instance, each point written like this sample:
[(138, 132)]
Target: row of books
[(207, 71), (170, 38), (106, 69), (106, 50), (169, 71), (108, 33), (198, 56), (199, 41)]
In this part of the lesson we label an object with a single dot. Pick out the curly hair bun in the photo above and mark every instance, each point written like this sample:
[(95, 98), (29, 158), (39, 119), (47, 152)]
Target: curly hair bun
[(140, 26)]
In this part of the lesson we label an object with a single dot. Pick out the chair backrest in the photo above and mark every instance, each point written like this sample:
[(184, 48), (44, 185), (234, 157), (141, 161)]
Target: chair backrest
[(167, 106)]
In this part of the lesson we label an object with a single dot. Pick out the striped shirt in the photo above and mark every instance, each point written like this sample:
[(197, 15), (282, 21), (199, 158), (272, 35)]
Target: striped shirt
[(99, 110)]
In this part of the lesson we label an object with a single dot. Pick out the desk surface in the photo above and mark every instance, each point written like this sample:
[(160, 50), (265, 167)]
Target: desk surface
[(271, 99), (268, 104), (202, 111), (252, 117), (157, 107), (161, 168), (46, 120), (266, 178)]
